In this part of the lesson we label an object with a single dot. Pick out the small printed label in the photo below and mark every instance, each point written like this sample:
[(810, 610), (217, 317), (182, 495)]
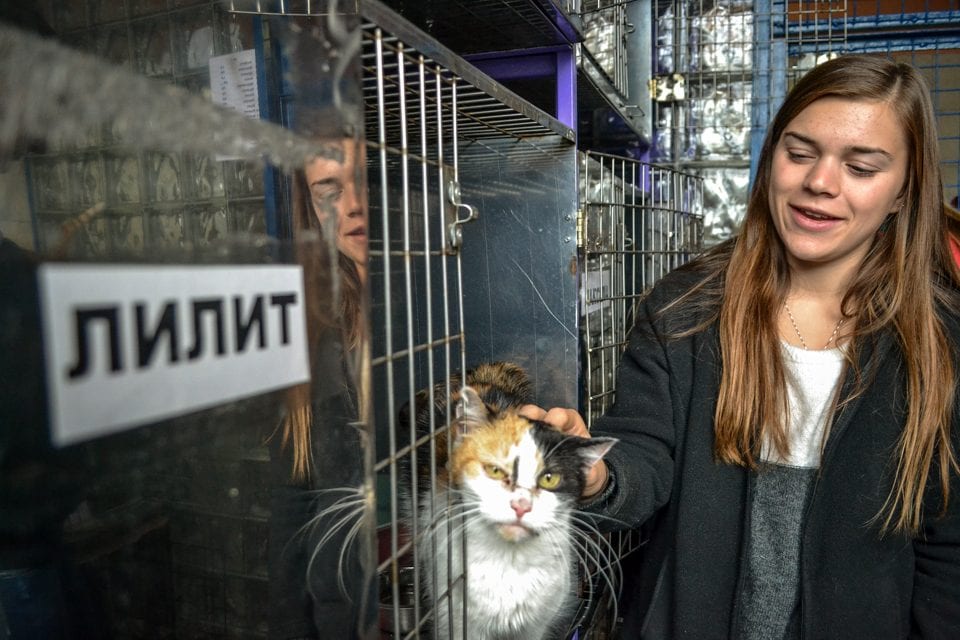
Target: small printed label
[(126, 345)]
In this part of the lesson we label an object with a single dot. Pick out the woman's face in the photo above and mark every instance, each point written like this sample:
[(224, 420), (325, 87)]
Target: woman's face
[(837, 172), (337, 187)]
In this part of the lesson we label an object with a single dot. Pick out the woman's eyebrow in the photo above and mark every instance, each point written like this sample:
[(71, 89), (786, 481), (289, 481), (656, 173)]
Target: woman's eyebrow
[(854, 149)]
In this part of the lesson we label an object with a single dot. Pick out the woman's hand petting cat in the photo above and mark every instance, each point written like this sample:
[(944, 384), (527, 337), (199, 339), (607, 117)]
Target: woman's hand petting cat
[(570, 422)]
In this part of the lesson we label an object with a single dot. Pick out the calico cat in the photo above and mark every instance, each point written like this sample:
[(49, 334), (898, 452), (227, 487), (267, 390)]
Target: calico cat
[(502, 512)]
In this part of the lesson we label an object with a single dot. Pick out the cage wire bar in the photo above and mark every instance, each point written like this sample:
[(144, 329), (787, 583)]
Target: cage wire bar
[(924, 33), (702, 93), (420, 112), (721, 70), (413, 99)]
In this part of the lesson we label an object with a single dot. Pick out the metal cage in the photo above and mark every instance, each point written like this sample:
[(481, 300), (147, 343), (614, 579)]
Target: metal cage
[(425, 114)]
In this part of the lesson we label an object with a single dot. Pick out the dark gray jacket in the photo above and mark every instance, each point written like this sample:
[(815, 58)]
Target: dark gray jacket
[(855, 584)]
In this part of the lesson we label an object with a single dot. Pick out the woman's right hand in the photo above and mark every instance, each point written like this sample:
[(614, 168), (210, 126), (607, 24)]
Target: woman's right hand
[(570, 422)]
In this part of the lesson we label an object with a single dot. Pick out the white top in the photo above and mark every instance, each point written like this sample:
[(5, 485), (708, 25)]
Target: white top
[(811, 378)]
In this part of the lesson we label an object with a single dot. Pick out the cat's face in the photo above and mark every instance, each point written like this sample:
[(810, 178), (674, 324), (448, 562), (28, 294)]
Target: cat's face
[(521, 478)]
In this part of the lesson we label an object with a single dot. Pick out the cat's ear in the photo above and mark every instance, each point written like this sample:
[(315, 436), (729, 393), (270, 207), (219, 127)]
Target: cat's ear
[(593, 449), (471, 411)]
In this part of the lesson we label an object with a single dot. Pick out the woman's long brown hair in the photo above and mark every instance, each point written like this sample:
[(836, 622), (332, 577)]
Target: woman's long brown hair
[(906, 276)]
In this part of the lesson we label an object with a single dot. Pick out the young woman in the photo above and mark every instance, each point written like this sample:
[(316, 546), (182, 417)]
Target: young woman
[(786, 405)]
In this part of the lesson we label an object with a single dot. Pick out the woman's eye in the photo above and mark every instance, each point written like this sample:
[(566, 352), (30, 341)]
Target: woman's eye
[(798, 156), (549, 480), (330, 195), (494, 472), (861, 171)]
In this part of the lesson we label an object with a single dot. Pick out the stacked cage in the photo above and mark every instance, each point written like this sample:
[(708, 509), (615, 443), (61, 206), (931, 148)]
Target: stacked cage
[(153, 200), (465, 180), (470, 185), (475, 214), (482, 247), (923, 33), (171, 534)]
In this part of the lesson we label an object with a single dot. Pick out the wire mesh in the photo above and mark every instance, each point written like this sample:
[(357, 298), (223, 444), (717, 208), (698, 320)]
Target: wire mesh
[(605, 27), (414, 279), (639, 221), (423, 114), (703, 89), (721, 68)]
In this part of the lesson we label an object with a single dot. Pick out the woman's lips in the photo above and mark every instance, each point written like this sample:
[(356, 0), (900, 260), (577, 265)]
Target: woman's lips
[(812, 219)]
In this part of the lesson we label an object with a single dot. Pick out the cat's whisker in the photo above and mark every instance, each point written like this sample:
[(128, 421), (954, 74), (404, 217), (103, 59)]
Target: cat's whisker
[(442, 524), (607, 564), (619, 524), (603, 557), (349, 507), (595, 561), (605, 550), (341, 504), (347, 544), (338, 518), (586, 530), (346, 511), (350, 495), (350, 538)]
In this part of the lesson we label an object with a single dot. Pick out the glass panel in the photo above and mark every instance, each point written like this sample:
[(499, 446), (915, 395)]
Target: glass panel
[(183, 442)]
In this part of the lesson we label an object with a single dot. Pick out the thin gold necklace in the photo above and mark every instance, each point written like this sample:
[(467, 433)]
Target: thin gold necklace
[(803, 343)]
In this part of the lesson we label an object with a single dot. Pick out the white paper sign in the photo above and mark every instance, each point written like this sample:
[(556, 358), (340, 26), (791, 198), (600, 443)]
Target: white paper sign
[(127, 345), (595, 291), (234, 83)]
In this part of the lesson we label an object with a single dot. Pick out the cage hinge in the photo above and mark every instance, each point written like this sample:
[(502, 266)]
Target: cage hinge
[(454, 223), (581, 218)]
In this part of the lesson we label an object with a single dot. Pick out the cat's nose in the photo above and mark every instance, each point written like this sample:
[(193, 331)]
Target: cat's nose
[(520, 506)]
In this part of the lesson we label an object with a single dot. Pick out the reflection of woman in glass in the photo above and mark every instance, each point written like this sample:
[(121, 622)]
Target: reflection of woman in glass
[(336, 185), (320, 447)]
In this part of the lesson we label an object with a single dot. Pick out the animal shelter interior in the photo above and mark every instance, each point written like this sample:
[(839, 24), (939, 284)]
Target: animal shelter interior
[(252, 249)]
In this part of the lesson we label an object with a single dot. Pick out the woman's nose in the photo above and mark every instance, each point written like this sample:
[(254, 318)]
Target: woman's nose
[(823, 178), (351, 205)]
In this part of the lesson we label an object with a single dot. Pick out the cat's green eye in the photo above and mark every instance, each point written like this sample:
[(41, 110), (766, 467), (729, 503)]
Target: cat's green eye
[(494, 471), (549, 481)]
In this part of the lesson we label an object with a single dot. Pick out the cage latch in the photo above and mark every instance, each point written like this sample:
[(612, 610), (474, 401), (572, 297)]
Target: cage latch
[(453, 220)]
